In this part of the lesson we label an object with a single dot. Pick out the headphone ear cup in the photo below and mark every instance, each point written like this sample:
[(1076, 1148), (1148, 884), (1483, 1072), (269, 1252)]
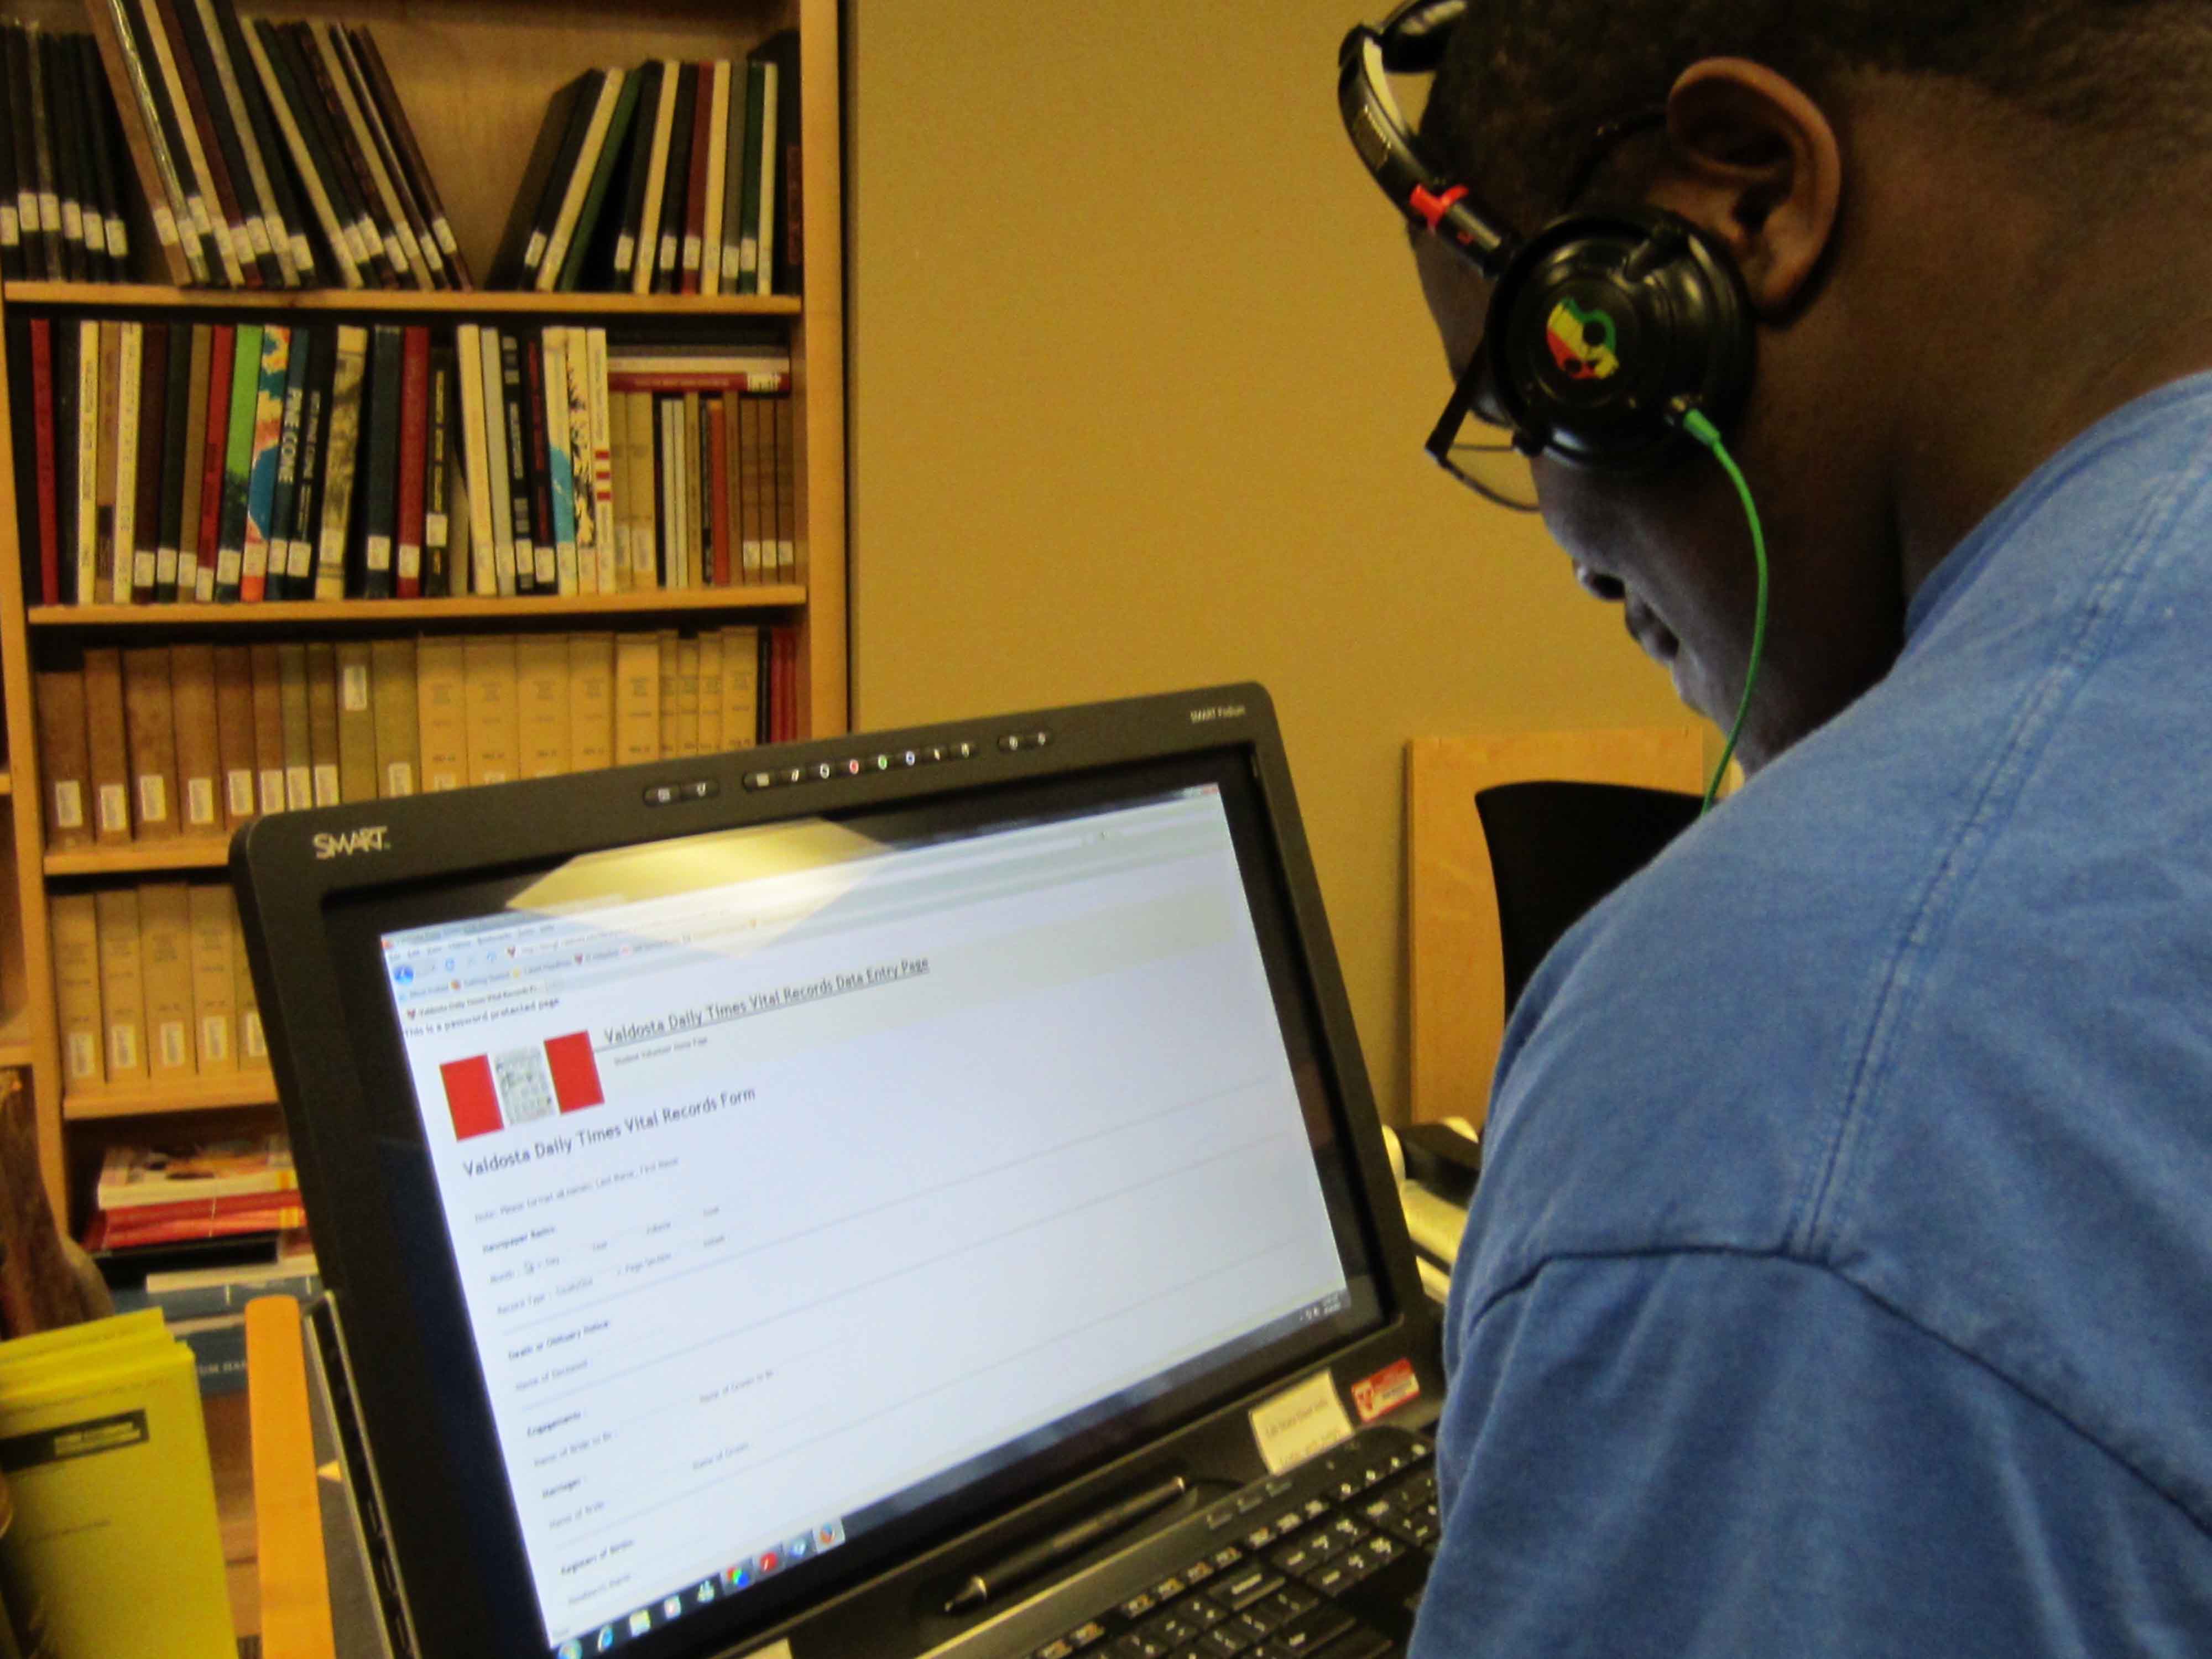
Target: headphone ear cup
[(1603, 322)]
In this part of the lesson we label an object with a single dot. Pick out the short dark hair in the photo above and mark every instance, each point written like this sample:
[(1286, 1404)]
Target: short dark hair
[(1531, 80)]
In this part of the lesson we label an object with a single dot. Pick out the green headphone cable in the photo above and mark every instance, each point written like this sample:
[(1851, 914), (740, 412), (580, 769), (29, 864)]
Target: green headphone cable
[(1695, 423)]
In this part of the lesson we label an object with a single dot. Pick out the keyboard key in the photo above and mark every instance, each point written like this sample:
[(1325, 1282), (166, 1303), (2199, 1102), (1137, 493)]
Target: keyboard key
[(1292, 1600), (1139, 1605), (1168, 1587), (1259, 1537), (1331, 1579), (1088, 1635), (1225, 1558), (1139, 1645), (1240, 1592), (1314, 1508), (1316, 1629), (1223, 1640), (1198, 1572), (1293, 1559)]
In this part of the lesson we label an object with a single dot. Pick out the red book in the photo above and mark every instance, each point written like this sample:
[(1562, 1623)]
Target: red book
[(205, 1218), (695, 199), (42, 404), (718, 502), (414, 450), (219, 361)]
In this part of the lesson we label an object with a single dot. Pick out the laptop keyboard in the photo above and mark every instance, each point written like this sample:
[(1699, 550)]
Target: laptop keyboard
[(1283, 1580)]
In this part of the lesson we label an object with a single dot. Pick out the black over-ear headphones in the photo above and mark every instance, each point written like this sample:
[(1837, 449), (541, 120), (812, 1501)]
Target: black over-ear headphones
[(1605, 328)]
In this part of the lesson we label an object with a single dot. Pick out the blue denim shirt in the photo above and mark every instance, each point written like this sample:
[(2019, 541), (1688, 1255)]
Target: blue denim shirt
[(1841, 1280)]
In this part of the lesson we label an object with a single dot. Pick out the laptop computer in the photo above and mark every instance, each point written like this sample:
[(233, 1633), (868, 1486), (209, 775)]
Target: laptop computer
[(909, 1193)]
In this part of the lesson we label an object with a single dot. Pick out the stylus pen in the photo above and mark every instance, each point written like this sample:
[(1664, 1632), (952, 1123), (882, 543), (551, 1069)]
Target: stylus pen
[(1063, 1546)]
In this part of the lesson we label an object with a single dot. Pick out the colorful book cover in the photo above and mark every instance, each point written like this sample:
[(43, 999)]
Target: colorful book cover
[(292, 423), (548, 370), (245, 388), (576, 359), (338, 454), (261, 471)]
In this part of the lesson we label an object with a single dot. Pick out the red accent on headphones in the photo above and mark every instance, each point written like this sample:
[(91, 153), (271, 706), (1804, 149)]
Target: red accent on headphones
[(1433, 208)]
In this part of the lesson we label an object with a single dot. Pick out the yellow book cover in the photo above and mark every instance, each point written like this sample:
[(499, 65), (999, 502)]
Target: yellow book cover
[(591, 702), (672, 697), (109, 755), (108, 1472), (214, 981), (399, 721), (252, 1045), (122, 982), (710, 692), (441, 704), (741, 686), (356, 722), (637, 698), (687, 695), (645, 545), (150, 717), (541, 671), (494, 739), (165, 934), (199, 759), (76, 925), (25, 1359), (268, 677), (323, 723), (296, 725)]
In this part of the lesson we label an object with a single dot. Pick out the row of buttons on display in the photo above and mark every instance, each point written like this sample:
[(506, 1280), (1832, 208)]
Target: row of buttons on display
[(889, 760)]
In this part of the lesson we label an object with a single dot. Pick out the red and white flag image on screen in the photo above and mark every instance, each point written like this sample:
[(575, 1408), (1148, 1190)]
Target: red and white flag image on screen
[(486, 1092)]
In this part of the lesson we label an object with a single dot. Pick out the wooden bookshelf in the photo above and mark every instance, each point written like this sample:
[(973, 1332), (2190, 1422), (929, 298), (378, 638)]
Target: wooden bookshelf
[(474, 76), (147, 296), (211, 1094), (369, 613)]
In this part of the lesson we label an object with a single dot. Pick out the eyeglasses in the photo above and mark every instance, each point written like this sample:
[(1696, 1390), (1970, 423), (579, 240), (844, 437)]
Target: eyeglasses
[(1475, 439)]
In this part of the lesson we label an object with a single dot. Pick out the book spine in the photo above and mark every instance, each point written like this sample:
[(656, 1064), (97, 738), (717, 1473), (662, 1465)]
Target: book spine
[(548, 372), (475, 459), (576, 359), (48, 480), (12, 264), (302, 142), (303, 535), (645, 123), (129, 385), (608, 544), (748, 207), (380, 244), (380, 460), (222, 348), (516, 406), (261, 465), (717, 182), (237, 463), (771, 93), (193, 462), (404, 131), (47, 194), (437, 474), (168, 483), (499, 504), (226, 162), (350, 367), (676, 187), (413, 457), (694, 194), (277, 577), (544, 537), (398, 190), (87, 94), (208, 211), (53, 110), (406, 253), (243, 136), (252, 84), (147, 134), (572, 185), (718, 436), (88, 427), (648, 228)]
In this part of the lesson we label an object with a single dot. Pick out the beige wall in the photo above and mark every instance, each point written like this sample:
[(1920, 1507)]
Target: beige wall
[(1140, 374)]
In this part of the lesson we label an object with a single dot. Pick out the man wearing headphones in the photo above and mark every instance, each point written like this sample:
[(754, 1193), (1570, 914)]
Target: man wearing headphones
[(1841, 1279)]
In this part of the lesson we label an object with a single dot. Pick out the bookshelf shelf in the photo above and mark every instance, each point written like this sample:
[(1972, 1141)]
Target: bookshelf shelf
[(16, 1048), (142, 857), (255, 1088), (291, 613), (471, 302)]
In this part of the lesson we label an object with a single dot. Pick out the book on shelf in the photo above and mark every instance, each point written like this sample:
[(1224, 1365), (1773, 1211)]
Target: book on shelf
[(665, 177), (131, 1176), (146, 980), (242, 461), (270, 155), (62, 214), (152, 743)]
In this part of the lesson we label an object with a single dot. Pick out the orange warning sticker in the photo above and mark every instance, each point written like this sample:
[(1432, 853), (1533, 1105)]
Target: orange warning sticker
[(1387, 1389)]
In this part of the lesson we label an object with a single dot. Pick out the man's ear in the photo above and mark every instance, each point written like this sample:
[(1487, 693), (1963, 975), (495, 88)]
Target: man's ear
[(1755, 163)]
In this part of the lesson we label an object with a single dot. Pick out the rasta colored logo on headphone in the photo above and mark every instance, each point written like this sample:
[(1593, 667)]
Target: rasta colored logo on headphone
[(1582, 343)]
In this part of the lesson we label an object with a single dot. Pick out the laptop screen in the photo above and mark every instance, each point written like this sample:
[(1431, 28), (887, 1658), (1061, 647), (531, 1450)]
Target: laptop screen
[(808, 1184)]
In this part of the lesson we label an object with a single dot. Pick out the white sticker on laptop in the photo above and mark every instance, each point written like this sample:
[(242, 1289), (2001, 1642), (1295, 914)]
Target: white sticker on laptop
[(1300, 1422)]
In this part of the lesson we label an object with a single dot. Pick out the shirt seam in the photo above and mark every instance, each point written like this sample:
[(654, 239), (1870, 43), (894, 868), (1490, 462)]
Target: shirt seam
[(2175, 1501), (1895, 989)]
